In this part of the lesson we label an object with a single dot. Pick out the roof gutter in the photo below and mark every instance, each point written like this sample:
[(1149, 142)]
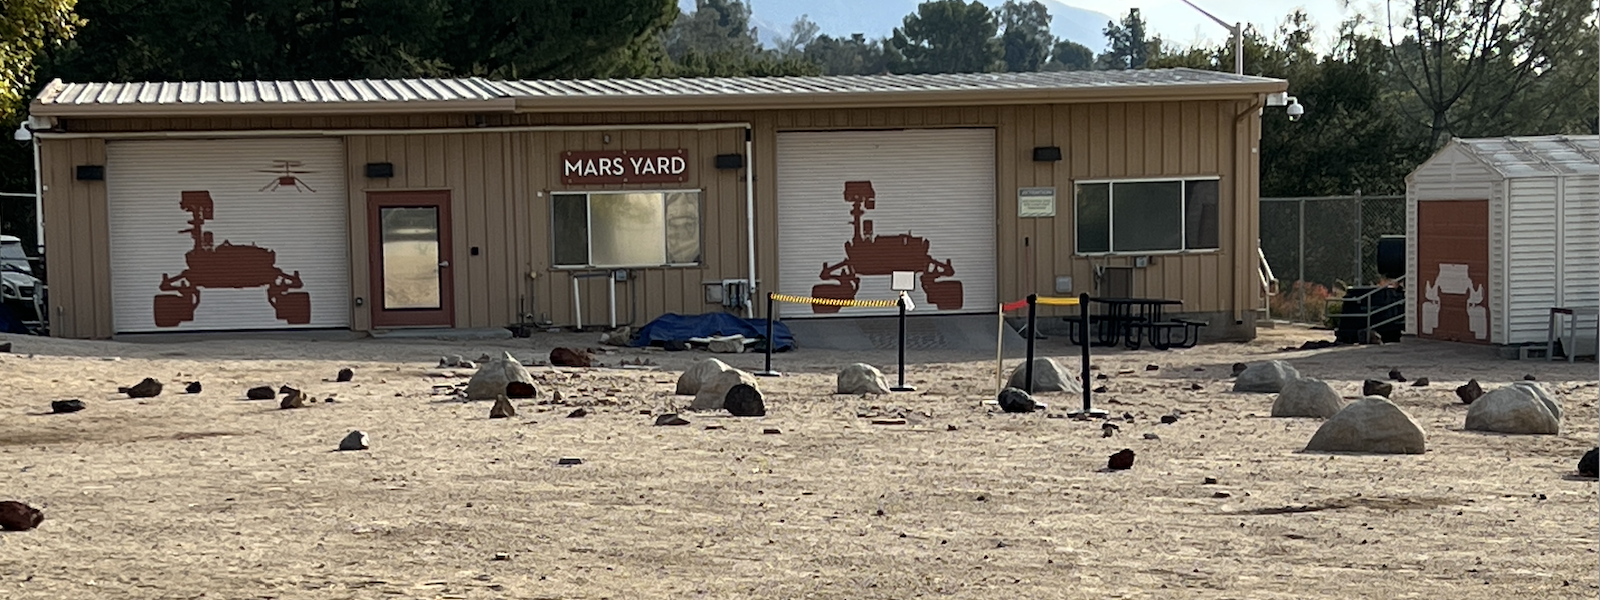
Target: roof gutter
[(258, 109), (279, 133)]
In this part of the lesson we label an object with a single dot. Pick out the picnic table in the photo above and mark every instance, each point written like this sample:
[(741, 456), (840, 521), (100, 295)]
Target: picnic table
[(1132, 321)]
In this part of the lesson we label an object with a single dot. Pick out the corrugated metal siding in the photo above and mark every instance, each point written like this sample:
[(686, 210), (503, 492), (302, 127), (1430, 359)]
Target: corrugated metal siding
[(305, 226), (268, 93), (1580, 242), (1531, 252), (76, 240), (934, 184)]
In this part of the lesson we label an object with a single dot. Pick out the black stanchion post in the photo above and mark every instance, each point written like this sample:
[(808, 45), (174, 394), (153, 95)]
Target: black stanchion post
[(902, 387), (1088, 380), (770, 341), (1027, 368)]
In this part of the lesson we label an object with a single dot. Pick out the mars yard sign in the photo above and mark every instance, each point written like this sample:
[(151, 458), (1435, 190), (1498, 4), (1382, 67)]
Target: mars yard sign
[(599, 167)]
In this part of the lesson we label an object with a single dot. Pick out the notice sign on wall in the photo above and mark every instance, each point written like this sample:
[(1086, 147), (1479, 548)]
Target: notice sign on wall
[(1036, 202), (595, 167)]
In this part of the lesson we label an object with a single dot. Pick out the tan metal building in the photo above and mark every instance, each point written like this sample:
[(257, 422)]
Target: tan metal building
[(470, 203)]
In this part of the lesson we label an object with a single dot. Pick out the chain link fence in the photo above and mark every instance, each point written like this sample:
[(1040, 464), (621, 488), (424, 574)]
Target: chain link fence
[(1318, 247)]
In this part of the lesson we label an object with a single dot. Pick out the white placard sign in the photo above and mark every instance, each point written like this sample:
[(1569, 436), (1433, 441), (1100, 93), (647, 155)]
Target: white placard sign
[(1036, 202)]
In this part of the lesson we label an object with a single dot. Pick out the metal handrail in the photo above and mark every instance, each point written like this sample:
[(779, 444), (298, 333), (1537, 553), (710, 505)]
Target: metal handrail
[(1374, 311)]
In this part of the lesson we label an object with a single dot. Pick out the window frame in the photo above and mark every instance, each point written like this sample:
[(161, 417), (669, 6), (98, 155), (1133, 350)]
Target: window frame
[(1111, 217), (588, 215)]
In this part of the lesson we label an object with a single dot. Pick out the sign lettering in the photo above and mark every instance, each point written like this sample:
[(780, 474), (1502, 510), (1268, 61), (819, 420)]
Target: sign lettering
[(598, 167)]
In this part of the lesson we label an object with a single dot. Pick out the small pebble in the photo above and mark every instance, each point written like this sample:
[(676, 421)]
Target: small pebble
[(1211, 481), (1169, 419), (1151, 436), (1222, 495), (569, 461)]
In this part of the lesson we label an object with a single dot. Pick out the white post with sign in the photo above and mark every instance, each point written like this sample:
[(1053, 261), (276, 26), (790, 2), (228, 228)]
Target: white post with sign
[(904, 282)]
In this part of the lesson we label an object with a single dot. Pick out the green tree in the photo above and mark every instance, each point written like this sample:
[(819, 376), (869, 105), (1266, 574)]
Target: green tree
[(855, 55), (27, 27), (947, 36), (1130, 48), (715, 27), (1026, 41), (1068, 55), (801, 33)]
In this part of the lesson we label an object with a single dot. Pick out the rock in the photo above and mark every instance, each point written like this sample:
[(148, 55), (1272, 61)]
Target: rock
[(669, 420), (570, 357), (1589, 465), (567, 461), (1048, 376), (888, 421), (1220, 495), (675, 345), (521, 390), (1195, 387), (1151, 436), (1210, 481), (1469, 392), (578, 413), (503, 408), (1239, 368), (260, 393), (1169, 419), (1152, 367), (1100, 389), (1121, 461), (5, 347), (285, 389), (1108, 428), (691, 380), (66, 406), (356, 440), (621, 336), (771, 431), (1371, 425), (345, 375), (713, 394), (149, 388), (466, 364), (491, 380), (733, 344), (192, 388), (16, 516), (1268, 377), (1306, 397), (1529, 377), (1373, 387), (862, 378), (1394, 375), (744, 400), (1420, 382), (294, 399), (1013, 400), (1521, 408)]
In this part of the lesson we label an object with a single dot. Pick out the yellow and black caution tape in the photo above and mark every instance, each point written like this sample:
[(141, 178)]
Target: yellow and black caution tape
[(834, 302)]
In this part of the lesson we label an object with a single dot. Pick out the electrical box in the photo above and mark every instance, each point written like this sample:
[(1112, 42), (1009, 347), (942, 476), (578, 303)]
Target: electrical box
[(735, 292), (1063, 284)]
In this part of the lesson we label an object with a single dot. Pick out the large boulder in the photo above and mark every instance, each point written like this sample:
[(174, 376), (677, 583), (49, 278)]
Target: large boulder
[(690, 382), (1267, 378), (1522, 408), (713, 395), (862, 378), (1306, 397), (489, 382), (1371, 425), (1048, 376)]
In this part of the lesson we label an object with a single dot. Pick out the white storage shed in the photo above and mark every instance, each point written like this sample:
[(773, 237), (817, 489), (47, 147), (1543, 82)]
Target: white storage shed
[(1500, 231)]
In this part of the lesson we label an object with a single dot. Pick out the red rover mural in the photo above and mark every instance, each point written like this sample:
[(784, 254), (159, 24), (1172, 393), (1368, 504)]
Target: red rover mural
[(868, 254), (226, 266)]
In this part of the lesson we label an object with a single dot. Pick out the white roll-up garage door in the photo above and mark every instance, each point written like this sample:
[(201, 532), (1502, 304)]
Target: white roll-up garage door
[(273, 248), (928, 205)]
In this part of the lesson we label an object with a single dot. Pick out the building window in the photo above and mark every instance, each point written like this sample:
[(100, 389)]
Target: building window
[(1147, 216), (625, 229)]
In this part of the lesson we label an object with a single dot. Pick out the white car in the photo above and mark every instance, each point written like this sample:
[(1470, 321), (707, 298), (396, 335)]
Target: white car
[(19, 289)]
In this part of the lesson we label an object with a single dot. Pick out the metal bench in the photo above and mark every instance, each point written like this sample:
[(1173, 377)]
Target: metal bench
[(1164, 335)]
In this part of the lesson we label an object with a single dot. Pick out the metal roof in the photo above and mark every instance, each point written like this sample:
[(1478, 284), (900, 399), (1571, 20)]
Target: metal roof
[(481, 95), (1515, 157), (410, 95)]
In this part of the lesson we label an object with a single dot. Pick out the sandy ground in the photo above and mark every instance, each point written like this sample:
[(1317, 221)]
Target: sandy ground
[(215, 496)]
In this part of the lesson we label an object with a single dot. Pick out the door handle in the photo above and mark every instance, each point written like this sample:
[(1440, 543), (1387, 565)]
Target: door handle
[(444, 264)]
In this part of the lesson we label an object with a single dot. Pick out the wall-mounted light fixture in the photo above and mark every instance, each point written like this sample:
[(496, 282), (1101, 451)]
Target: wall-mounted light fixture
[(730, 161), (1047, 154), (380, 170), (91, 173)]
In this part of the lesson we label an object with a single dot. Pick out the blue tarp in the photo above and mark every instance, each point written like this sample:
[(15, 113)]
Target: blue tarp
[(677, 328)]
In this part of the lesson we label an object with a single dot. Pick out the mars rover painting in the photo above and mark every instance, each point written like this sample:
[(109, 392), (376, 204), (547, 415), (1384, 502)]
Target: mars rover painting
[(226, 266), (870, 254)]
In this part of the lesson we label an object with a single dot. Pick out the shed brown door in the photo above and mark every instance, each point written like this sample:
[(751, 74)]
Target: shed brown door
[(409, 244), (1453, 270)]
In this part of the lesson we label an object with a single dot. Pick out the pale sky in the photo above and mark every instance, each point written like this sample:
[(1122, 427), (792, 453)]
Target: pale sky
[(1175, 21)]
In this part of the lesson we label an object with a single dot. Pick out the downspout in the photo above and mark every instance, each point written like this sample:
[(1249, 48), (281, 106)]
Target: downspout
[(1245, 188), (38, 201), (750, 221)]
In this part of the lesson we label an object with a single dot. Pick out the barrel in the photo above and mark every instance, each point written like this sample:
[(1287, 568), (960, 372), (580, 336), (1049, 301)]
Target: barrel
[(1391, 257)]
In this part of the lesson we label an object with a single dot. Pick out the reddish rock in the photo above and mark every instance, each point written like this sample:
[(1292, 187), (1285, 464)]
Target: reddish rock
[(16, 516), (521, 390), (570, 357), (1469, 392), (1121, 461)]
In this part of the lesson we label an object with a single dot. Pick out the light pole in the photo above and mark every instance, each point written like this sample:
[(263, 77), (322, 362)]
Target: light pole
[(1237, 29)]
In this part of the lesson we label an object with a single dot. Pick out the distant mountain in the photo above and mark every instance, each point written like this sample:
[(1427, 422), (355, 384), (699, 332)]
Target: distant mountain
[(878, 18)]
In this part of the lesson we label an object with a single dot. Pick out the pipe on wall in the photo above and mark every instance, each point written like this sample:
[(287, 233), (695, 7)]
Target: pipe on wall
[(750, 221)]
